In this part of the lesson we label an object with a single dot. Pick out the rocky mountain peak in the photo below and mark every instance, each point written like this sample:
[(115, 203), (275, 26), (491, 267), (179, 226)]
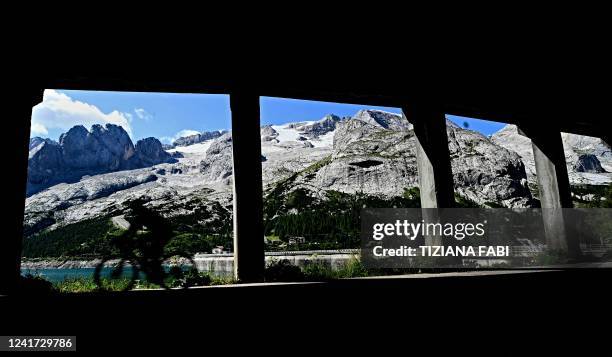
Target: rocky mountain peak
[(44, 162), (197, 138), (382, 119), (76, 134), (330, 117), (89, 152), (149, 152), (320, 127), (373, 153), (268, 133), (582, 168), (378, 159), (37, 140), (485, 172)]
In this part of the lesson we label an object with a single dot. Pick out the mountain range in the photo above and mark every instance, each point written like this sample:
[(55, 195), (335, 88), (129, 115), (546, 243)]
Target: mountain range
[(81, 152), (588, 159), (91, 173)]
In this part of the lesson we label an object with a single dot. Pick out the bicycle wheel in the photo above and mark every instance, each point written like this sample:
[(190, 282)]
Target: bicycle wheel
[(190, 262)]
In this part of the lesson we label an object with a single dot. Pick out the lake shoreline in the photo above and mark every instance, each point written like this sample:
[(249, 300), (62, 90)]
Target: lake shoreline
[(64, 263), (57, 263)]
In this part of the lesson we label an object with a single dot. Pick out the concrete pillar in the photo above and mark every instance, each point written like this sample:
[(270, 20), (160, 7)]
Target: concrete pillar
[(433, 158), (249, 256), (433, 164), (554, 188), (14, 197)]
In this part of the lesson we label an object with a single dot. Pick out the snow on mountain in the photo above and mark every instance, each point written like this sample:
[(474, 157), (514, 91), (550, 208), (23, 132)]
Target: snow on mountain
[(578, 149), (199, 148), (286, 133), (371, 152), (196, 138)]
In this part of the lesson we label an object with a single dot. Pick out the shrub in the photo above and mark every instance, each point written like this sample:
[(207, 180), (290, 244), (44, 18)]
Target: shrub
[(194, 278), (87, 284), (317, 271), (222, 280), (283, 270), (178, 277), (353, 269)]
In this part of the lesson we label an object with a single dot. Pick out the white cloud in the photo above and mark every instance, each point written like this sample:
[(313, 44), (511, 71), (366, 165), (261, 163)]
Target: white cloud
[(186, 132), (143, 114), (59, 111), (38, 129), (166, 139)]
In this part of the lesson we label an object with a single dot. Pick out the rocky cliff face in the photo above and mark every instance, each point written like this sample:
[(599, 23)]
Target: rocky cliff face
[(217, 164), (197, 138), (372, 152), (588, 159), (102, 149), (44, 162), (588, 163), (66, 202), (35, 141), (321, 127), (485, 172), (382, 119), (81, 152), (268, 133), (149, 152), (368, 157)]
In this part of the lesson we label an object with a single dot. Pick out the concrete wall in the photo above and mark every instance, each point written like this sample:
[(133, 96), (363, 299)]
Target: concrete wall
[(223, 264)]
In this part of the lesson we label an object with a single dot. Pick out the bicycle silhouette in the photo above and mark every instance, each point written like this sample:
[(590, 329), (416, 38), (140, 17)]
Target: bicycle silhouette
[(142, 247)]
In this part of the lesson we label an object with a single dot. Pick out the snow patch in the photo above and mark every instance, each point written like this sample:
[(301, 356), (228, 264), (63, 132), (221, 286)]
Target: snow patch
[(199, 148), (35, 149), (325, 140), (285, 133)]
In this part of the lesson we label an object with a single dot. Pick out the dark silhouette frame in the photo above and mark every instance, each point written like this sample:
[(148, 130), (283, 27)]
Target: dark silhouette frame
[(498, 102)]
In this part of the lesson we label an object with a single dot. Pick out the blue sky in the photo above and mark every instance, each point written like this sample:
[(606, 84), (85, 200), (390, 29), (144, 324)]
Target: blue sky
[(483, 126), (281, 110), (168, 116), (161, 115)]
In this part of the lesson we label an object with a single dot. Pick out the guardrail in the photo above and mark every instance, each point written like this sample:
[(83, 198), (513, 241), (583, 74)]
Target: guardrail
[(287, 253)]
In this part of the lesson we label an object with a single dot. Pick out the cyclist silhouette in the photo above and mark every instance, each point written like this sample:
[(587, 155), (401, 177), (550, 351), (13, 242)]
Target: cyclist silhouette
[(141, 246)]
